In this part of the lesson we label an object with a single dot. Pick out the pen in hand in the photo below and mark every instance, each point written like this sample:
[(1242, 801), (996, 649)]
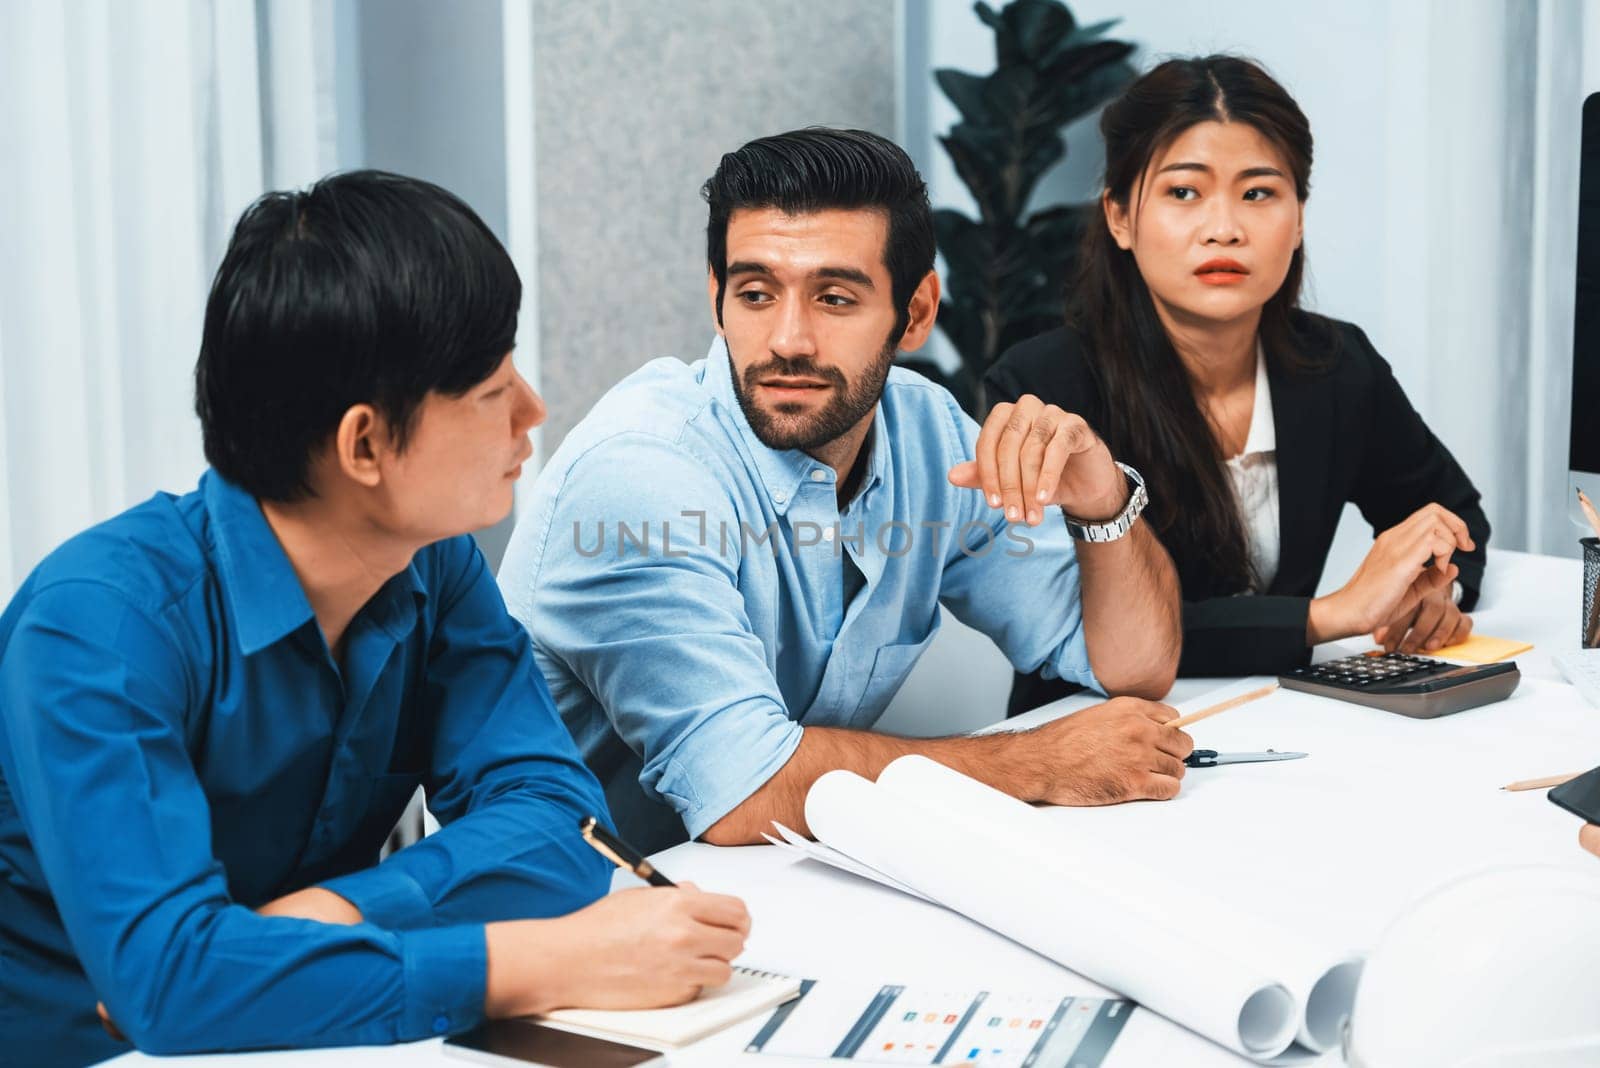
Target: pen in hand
[(620, 853)]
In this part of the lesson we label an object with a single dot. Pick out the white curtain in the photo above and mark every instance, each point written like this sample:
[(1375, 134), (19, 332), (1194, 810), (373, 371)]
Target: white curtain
[(131, 137), (1565, 68), (1478, 239)]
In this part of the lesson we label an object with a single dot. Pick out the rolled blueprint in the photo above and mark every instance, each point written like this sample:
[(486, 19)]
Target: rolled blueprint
[(1086, 904)]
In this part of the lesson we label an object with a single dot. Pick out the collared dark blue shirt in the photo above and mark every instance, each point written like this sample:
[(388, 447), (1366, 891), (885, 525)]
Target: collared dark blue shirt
[(177, 747)]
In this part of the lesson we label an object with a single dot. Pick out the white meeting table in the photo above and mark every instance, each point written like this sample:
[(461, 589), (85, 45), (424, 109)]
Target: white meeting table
[(812, 921)]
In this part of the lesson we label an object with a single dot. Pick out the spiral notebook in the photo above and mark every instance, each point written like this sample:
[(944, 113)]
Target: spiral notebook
[(749, 992)]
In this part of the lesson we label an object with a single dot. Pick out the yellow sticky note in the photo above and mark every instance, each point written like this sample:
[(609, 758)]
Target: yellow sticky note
[(1482, 649)]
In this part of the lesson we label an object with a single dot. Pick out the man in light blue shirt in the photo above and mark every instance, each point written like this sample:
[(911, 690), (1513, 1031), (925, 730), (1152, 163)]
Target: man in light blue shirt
[(729, 567)]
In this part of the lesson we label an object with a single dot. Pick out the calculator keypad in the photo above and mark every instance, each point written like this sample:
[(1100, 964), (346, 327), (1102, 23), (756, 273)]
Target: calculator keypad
[(1371, 670)]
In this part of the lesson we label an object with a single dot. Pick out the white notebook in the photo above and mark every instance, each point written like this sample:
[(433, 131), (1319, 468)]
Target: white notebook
[(749, 992)]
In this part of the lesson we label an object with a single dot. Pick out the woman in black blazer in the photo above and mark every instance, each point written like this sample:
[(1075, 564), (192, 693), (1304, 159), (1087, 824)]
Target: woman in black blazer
[(1251, 420)]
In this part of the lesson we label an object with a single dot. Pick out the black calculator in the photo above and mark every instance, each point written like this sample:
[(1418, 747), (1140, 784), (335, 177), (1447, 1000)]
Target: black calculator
[(1414, 686)]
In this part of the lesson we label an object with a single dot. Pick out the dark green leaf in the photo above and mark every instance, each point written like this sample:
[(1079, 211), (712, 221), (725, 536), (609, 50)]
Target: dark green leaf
[(1006, 92), (1075, 99), (1081, 36), (1074, 63), (1038, 157), (1006, 277), (960, 324), (1007, 45), (1007, 49), (964, 243), (1038, 26), (1052, 225), (966, 92), (1091, 32), (974, 168)]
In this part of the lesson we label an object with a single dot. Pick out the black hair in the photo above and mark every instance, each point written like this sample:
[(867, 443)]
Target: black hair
[(818, 169), (1152, 418), (366, 288)]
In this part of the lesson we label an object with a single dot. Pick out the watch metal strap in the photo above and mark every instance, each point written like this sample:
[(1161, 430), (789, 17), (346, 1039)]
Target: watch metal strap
[(1119, 525)]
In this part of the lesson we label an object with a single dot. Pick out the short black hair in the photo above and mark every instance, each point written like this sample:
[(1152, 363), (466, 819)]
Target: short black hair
[(818, 169), (366, 288)]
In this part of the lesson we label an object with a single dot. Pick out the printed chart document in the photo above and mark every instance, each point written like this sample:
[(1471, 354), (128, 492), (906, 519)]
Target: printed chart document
[(931, 1025), (991, 858)]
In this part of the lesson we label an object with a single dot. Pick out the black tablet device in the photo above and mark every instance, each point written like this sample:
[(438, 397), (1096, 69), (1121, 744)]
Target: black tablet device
[(531, 1042), (1580, 796)]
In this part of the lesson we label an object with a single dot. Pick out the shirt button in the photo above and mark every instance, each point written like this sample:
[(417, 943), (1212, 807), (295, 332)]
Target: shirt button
[(827, 534), (819, 475), (779, 498), (441, 1024)]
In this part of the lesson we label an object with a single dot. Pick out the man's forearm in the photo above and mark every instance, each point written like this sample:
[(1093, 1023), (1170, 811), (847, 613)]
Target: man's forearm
[(1000, 760), (1132, 613), (313, 903)]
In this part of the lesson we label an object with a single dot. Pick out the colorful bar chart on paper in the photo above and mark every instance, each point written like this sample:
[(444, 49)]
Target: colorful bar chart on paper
[(929, 1025)]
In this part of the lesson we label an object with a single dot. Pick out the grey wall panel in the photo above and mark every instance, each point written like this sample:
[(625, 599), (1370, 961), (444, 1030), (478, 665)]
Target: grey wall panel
[(432, 102), (636, 102), (432, 106)]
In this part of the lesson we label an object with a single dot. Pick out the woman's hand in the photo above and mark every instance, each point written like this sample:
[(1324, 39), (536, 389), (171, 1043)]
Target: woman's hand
[(1435, 622), (1408, 564)]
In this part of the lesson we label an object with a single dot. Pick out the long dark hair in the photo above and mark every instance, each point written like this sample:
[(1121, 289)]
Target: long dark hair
[(1151, 417)]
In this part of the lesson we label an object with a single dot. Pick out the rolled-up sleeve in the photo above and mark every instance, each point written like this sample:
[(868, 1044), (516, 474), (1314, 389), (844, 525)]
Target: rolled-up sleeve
[(659, 635), (93, 750), (505, 781), (1017, 584)]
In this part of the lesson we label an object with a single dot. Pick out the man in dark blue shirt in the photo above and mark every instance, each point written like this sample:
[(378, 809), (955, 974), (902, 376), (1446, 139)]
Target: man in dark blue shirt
[(213, 707)]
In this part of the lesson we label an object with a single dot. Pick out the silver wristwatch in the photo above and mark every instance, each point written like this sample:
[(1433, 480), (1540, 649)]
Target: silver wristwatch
[(1122, 522)]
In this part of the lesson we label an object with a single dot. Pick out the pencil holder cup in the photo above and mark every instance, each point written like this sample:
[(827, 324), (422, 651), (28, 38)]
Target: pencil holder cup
[(1590, 634)]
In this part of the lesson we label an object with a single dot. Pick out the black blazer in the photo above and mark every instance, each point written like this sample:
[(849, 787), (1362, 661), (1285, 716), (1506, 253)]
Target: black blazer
[(1345, 433)]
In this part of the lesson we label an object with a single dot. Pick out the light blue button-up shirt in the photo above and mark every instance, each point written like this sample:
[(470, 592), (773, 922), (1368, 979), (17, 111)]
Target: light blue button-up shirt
[(690, 597)]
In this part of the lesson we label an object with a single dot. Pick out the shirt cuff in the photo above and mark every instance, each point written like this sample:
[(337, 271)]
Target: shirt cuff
[(446, 973), (704, 780), (386, 897), (1071, 663)]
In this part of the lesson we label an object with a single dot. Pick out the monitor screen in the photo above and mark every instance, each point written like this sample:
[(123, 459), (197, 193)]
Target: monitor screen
[(1584, 450)]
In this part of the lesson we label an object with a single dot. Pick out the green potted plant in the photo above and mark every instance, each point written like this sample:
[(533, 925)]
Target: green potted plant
[(1006, 271)]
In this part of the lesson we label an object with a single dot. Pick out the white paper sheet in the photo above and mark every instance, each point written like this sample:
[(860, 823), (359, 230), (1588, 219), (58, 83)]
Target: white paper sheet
[(917, 826), (1319, 975), (794, 842)]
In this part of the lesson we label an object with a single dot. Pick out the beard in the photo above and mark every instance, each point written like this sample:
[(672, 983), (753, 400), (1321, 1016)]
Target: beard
[(792, 426)]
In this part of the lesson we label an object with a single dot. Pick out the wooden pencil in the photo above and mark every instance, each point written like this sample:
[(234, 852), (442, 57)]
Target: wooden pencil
[(1223, 706), (1589, 513), (1541, 784)]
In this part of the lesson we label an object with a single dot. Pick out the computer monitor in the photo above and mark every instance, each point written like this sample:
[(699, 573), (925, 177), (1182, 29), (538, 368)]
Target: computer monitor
[(1583, 453)]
